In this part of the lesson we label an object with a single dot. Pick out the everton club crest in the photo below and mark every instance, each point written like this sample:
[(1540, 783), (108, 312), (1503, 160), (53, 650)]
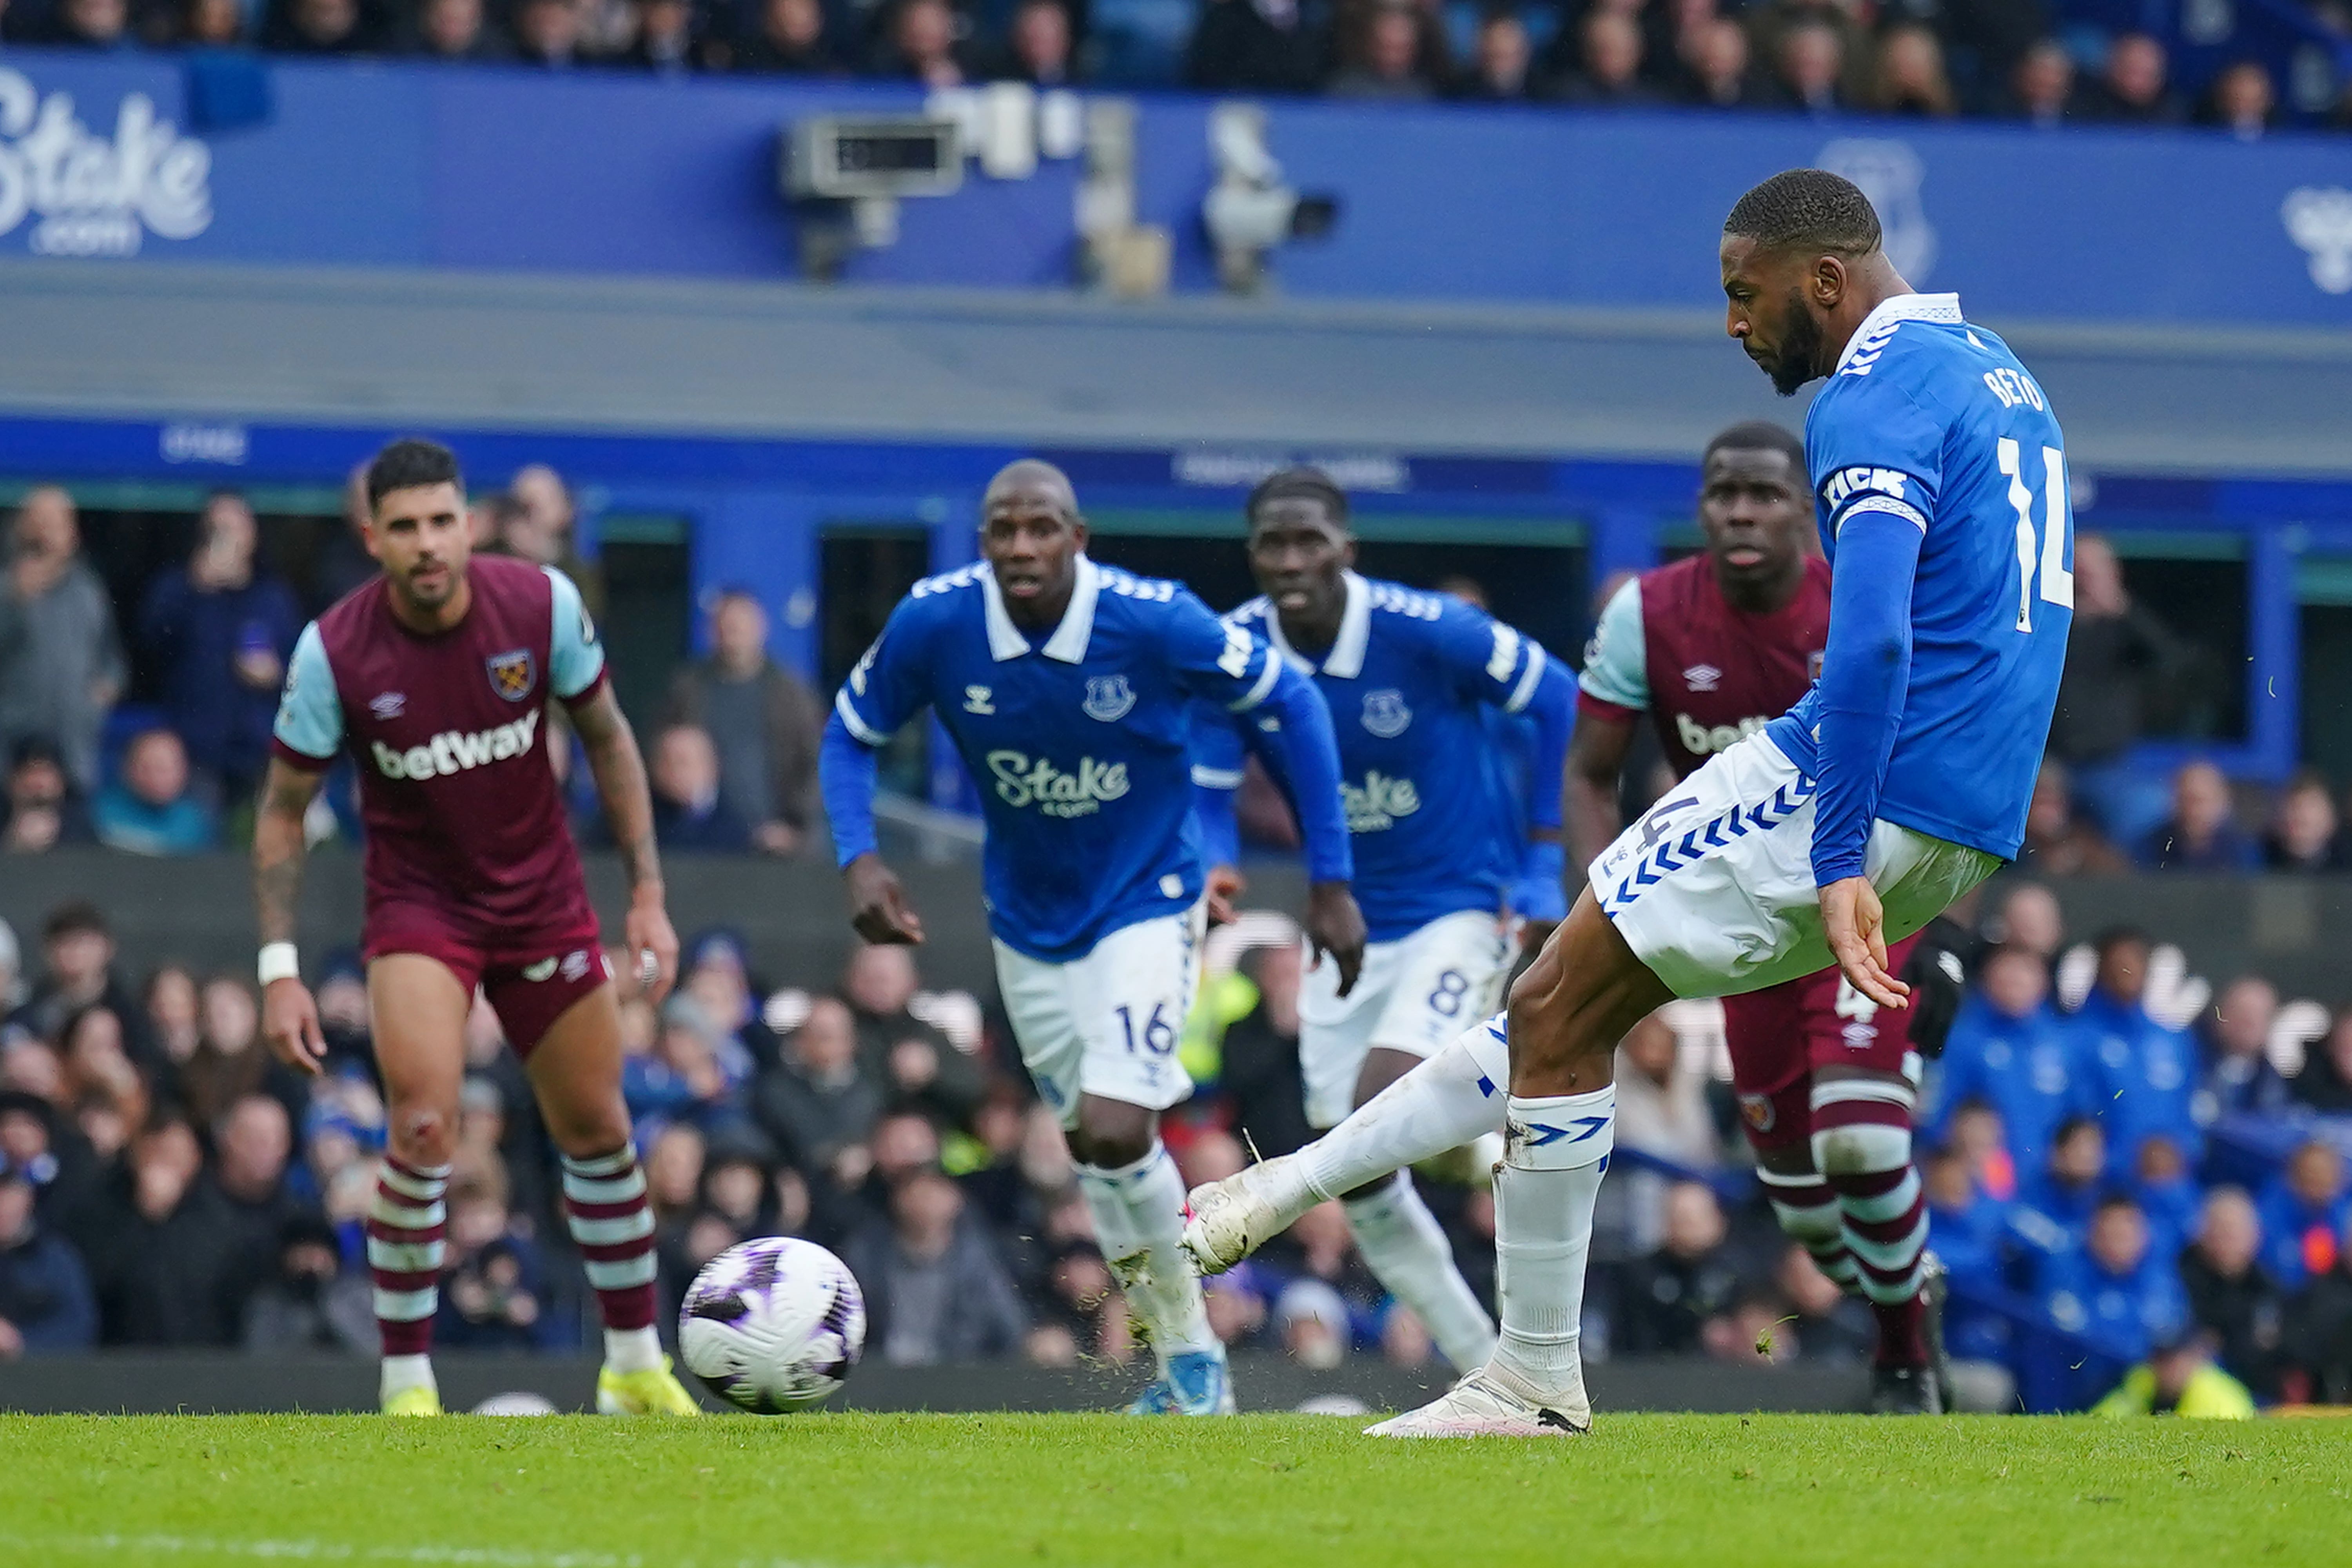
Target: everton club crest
[(514, 674), (1385, 714), (1108, 697)]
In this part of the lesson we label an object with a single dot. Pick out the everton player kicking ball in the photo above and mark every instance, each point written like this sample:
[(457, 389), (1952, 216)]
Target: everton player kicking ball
[(773, 1325)]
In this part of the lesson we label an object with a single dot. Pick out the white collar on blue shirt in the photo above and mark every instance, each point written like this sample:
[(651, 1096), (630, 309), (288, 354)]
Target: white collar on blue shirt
[(1945, 308), (1346, 659), (1069, 640)]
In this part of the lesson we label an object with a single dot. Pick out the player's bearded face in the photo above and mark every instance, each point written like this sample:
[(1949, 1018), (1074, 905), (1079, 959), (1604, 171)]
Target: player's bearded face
[(1792, 359), (419, 537)]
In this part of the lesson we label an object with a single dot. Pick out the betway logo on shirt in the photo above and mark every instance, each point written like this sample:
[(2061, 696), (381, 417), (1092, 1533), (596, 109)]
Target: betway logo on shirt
[(1375, 806), (1024, 780), (454, 751), (1700, 740)]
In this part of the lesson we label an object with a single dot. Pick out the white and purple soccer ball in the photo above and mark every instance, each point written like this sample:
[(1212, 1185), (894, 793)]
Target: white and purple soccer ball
[(773, 1325)]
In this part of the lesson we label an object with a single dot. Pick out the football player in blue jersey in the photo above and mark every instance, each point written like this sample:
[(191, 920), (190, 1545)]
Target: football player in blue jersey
[(1067, 690), (1899, 783), (1444, 863)]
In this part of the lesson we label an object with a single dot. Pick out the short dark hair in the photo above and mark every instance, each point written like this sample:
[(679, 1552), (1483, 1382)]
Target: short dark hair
[(408, 462), (1810, 209), (1301, 483), (2118, 936), (72, 919), (1759, 436)]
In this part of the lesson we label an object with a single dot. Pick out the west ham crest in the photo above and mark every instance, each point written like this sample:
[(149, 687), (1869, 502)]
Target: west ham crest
[(1108, 697), (514, 674), (1385, 714)]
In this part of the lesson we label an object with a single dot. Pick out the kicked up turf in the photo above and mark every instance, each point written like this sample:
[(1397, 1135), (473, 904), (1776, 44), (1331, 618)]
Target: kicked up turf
[(853, 1491)]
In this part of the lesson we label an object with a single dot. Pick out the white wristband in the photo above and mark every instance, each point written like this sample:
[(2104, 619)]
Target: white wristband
[(280, 961)]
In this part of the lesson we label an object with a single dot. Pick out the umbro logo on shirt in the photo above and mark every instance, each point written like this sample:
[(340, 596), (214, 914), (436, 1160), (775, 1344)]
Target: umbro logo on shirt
[(1702, 678), (388, 704), (978, 700)]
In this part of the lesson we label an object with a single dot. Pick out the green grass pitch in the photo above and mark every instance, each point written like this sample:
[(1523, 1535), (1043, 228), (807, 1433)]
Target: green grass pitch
[(942, 1492)]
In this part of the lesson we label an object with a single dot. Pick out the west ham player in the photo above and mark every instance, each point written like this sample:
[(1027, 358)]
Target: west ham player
[(1712, 648), (1899, 783), (1067, 689), (1442, 861), (436, 676)]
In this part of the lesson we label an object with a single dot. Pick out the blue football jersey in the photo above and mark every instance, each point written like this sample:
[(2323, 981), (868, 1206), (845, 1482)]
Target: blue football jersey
[(1436, 824), (1078, 747), (1934, 421)]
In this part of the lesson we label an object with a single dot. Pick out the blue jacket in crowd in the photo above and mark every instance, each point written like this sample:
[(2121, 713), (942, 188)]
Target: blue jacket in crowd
[(2300, 1238), (195, 639), (2133, 1309), (2143, 1078), (45, 1292), (2026, 1069)]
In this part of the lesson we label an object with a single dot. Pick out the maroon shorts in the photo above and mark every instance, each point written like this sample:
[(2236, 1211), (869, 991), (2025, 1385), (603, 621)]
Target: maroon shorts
[(1780, 1036), (529, 984)]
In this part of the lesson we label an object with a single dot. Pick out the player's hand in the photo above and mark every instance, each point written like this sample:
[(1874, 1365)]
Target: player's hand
[(289, 1022), (1855, 924), (1335, 929), (879, 910), (652, 943), (1224, 885)]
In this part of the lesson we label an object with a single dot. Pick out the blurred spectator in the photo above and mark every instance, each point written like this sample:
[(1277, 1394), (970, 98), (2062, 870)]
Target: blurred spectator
[(151, 810), (763, 719), (46, 1302), (2179, 1379), (2117, 654), (165, 1247), (674, 1173), (2145, 1072), (1808, 64), (2317, 1338), (77, 971), (1830, 1326), (935, 1291), (457, 30), (790, 41), (818, 1103), (2303, 833), (2116, 1286), (2202, 832), (2231, 1296), (1965, 1221), (540, 526), (494, 1294), (174, 1015), (1666, 1299), (221, 630), (1039, 47), (2007, 1049), (230, 1061), (1607, 71), (2239, 1076), (1910, 78), (2042, 93), (664, 43), (2056, 1203), (1380, 57), (690, 815), (1499, 72), (2058, 843), (2325, 1084), (92, 25), (1252, 46), (212, 24), (911, 1059), (2168, 1193), (42, 809), (2242, 101), (716, 979), (2133, 90), (343, 562), (315, 28), (61, 663), (1715, 62), (2029, 916), (547, 34), (308, 1303), (1312, 1320), (1661, 1109), (919, 44), (12, 971), (689, 1076), (2304, 1211)]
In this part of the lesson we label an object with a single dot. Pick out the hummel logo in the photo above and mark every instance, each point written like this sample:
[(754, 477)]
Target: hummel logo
[(1702, 678), (389, 705), (978, 700)]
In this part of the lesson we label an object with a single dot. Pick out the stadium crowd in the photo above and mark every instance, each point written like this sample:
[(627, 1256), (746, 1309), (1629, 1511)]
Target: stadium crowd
[(2021, 59), (164, 1182)]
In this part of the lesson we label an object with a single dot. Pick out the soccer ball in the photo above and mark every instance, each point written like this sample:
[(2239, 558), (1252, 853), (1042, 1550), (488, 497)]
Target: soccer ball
[(773, 1325)]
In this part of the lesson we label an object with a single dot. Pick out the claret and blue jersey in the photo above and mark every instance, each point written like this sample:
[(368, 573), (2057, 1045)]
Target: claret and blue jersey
[(1410, 681), (1078, 744), (1941, 482)]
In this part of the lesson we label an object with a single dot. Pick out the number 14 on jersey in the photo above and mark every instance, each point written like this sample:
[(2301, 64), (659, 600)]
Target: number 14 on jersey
[(2057, 582)]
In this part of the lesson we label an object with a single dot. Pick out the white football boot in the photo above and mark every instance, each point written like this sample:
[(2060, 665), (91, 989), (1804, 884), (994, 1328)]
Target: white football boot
[(1235, 1218), (1483, 1405)]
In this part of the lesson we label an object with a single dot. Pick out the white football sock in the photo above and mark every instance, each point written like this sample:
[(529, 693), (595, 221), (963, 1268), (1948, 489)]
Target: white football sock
[(1559, 1147), (632, 1349), (1139, 1214), (1404, 1245), (402, 1372), (1443, 1103)]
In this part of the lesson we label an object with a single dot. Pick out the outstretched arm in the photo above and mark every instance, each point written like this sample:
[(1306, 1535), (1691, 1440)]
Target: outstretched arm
[(619, 772), (289, 1018), (1596, 760), (1541, 895), (879, 910), (1310, 755)]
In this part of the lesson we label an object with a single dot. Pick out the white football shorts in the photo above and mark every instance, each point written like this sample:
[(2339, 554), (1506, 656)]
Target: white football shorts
[(1107, 1024), (1415, 995), (1713, 889)]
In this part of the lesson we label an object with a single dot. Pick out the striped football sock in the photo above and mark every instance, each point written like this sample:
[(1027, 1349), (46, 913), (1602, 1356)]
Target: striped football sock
[(406, 1227), (604, 1205)]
